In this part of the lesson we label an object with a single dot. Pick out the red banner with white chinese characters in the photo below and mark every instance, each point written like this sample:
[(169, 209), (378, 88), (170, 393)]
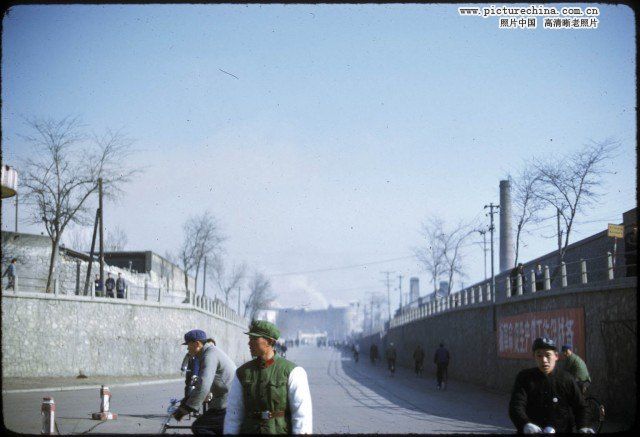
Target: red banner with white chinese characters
[(517, 333)]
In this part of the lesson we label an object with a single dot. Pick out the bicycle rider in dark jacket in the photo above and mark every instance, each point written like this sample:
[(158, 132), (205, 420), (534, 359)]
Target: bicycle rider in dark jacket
[(547, 396)]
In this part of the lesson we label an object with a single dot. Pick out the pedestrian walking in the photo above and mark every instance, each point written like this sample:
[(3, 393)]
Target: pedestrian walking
[(10, 273), (120, 286), (391, 355), (546, 396), (418, 359), (373, 353), (110, 284), (97, 283), (576, 367), (269, 394), (215, 373), (441, 359)]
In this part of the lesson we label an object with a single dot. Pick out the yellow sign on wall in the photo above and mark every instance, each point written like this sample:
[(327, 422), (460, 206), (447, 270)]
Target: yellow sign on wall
[(616, 231)]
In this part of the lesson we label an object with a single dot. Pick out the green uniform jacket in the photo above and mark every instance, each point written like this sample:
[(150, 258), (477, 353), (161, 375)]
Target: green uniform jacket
[(576, 367), (265, 389)]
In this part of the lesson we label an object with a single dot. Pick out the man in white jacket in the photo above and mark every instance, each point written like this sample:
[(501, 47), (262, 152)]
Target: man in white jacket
[(269, 394)]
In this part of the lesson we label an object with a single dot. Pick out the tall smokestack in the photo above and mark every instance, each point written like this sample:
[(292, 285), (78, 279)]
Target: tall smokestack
[(507, 253)]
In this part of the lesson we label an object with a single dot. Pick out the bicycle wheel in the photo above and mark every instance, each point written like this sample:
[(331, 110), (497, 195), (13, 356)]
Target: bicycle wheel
[(595, 414)]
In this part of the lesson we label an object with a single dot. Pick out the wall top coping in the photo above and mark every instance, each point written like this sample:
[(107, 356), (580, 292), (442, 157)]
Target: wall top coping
[(616, 284), (112, 301)]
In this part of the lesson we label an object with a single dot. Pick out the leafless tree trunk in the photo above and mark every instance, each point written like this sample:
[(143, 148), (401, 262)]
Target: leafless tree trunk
[(202, 238), (432, 254), (64, 172), (226, 283), (452, 243), (526, 202), (260, 295), (571, 183)]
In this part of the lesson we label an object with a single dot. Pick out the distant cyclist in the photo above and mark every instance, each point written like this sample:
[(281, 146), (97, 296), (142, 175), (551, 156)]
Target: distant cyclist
[(391, 355), (356, 352), (576, 367), (546, 396)]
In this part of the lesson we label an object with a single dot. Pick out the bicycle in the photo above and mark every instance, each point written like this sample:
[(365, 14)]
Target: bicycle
[(595, 414), (392, 366)]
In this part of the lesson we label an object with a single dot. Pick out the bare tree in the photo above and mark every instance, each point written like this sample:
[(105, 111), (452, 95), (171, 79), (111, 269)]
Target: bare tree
[(260, 294), (202, 238), (526, 202), (77, 238), (63, 173), (226, 283), (116, 239), (432, 254), (571, 183), (452, 243)]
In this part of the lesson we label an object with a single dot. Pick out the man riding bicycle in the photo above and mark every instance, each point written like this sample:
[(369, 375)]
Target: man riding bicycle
[(574, 365), (391, 355), (546, 396)]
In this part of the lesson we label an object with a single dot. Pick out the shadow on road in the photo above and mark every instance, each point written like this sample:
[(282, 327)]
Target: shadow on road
[(472, 409)]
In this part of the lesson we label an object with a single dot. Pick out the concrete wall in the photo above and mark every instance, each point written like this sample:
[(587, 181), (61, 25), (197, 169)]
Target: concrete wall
[(34, 252), (470, 336), (46, 335)]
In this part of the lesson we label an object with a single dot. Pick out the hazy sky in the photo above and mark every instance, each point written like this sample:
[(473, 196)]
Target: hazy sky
[(322, 136)]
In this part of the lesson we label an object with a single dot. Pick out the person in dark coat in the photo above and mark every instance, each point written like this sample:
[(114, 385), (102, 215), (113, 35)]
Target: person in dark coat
[(441, 360), (546, 396), (98, 286), (373, 353), (120, 286), (418, 358), (110, 284), (10, 273)]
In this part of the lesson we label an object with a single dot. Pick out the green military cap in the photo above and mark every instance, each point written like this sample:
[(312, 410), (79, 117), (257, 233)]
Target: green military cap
[(262, 328)]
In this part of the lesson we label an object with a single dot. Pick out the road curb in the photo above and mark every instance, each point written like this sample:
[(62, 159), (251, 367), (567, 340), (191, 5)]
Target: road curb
[(93, 387)]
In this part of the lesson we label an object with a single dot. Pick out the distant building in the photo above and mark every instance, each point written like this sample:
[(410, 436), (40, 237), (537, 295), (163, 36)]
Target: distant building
[(335, 322)]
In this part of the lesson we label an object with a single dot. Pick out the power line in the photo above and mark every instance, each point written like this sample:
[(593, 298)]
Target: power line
[(328, 269)]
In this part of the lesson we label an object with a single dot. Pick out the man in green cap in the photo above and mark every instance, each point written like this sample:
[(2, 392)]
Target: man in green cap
[(269, 395)]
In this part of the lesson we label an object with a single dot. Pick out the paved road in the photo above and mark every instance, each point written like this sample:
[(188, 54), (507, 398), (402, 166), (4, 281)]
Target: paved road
[(347, 398), (360, 398)]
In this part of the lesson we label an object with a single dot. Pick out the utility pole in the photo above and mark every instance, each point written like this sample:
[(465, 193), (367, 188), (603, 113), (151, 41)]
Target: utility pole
[(371, 318), (104, 288), (204, 279), (400, 290), (491, 207), (484, 250), (559, 236), (93, 246), (16, 212), (388, 294)]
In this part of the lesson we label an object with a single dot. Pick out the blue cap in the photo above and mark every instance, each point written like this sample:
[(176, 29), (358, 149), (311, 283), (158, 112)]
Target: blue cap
[(566, 347), (195, 335)]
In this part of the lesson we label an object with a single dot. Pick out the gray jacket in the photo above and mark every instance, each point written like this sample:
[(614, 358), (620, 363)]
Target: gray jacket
[(217, 371)]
